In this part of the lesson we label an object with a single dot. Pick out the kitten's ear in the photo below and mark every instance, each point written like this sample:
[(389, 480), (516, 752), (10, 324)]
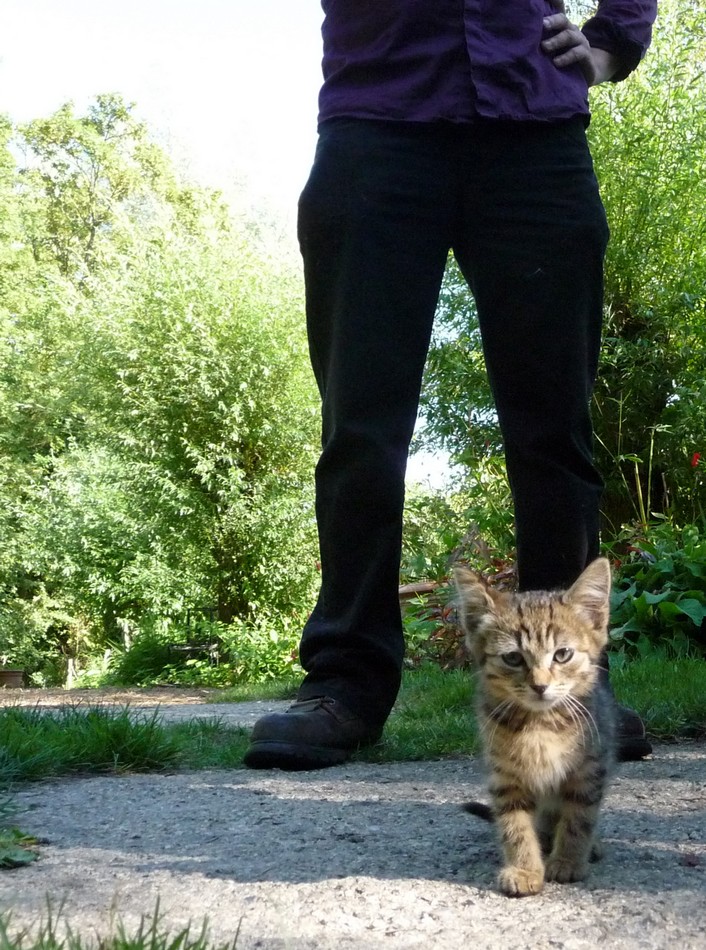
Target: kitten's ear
[(475, 602), (474, 597), (591, 594)]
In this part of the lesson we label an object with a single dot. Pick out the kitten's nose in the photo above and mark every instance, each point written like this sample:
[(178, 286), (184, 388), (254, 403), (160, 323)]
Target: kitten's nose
[(539, 688)]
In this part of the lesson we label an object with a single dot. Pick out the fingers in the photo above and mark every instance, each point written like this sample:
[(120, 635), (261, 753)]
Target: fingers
[(567, 44), (564, 33), (557, 21)]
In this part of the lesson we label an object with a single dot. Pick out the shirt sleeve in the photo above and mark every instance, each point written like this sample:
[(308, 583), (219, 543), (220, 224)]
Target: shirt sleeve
[(624, 28)]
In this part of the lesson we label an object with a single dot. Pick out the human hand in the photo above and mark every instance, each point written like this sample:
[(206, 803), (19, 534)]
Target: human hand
[(567, 45)]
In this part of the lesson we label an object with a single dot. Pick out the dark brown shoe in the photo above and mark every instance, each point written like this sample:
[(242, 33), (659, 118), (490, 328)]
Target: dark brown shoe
[(632, 742), (311, 734)]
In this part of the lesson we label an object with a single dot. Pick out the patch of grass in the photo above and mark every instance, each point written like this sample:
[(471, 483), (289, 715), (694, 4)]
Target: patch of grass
[(209, 744), (36, 744), (669, 694), (285, 688), (53, 933), (432, 719)]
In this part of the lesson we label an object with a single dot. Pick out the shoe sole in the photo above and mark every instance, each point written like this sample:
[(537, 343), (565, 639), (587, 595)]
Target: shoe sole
[(266, 754)]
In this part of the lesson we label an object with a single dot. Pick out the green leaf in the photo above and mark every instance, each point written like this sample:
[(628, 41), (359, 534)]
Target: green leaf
[(13, 850), (694, 610), (657, 598), (630, 626)]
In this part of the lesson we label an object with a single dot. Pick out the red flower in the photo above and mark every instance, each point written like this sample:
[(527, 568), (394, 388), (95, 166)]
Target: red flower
[(695, 459)]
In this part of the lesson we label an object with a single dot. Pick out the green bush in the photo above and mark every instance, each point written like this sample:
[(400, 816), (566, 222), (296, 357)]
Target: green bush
[(658, 603), (648, 138), (244, 652), (144, 663), (471, 521)]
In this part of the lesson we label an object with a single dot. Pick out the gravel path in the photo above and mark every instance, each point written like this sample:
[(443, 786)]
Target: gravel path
[(359, 856)]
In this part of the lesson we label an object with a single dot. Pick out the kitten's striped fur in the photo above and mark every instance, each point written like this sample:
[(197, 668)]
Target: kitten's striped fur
[(547, 720)]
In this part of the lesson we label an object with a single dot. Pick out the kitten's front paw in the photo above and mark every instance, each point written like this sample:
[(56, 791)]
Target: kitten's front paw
[(564, 871), (519, 882)]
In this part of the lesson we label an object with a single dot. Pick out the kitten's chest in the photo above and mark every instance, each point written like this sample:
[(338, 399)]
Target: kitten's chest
[(541, 758)]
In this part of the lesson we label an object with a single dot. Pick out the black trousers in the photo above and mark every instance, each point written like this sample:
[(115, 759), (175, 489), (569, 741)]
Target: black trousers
[(518, 205)]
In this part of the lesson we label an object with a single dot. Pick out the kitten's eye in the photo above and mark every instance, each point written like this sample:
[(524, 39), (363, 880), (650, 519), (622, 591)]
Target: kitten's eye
[(514, 659), (563, 655)]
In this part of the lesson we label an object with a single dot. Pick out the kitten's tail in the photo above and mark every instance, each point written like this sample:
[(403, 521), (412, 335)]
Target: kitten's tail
[(480, 810)]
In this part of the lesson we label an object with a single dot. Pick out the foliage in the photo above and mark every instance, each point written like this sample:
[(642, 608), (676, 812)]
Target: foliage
[(210, 393), (261, 650), (16, 847), (431, 629), (458, 417), (431, 531), (648, 137), (143, 663), (158, 419), (458, 414), (35, 635), (658, 602), (243, 652), (80, 172), (441, 527)]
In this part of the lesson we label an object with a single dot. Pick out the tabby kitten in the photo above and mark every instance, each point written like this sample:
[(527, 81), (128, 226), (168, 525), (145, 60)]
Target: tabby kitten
[(547, 720)]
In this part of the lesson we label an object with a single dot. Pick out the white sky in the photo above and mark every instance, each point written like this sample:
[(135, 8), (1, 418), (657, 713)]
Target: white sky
[(229, 87)]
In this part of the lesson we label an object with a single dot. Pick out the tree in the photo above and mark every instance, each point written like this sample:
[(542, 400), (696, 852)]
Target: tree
[(649, 142), (203, 369), (157, 415)]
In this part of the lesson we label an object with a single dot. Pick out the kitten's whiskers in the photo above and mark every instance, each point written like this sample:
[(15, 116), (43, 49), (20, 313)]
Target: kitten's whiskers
[(495, 717), (583, 714)]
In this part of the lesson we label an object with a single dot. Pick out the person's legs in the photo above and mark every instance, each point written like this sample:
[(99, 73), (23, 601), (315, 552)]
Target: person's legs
[(531, 247), (376, 218), (375, 225)]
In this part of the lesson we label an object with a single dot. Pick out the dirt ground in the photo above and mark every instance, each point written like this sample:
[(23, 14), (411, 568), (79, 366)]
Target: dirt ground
[(358, 856), (137, 696)]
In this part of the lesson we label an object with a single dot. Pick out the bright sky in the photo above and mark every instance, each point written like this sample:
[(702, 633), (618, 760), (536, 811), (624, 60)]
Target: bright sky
[(228, 86)]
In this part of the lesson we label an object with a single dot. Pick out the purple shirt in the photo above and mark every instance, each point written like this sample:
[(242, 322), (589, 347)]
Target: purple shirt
[(454, 60)]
